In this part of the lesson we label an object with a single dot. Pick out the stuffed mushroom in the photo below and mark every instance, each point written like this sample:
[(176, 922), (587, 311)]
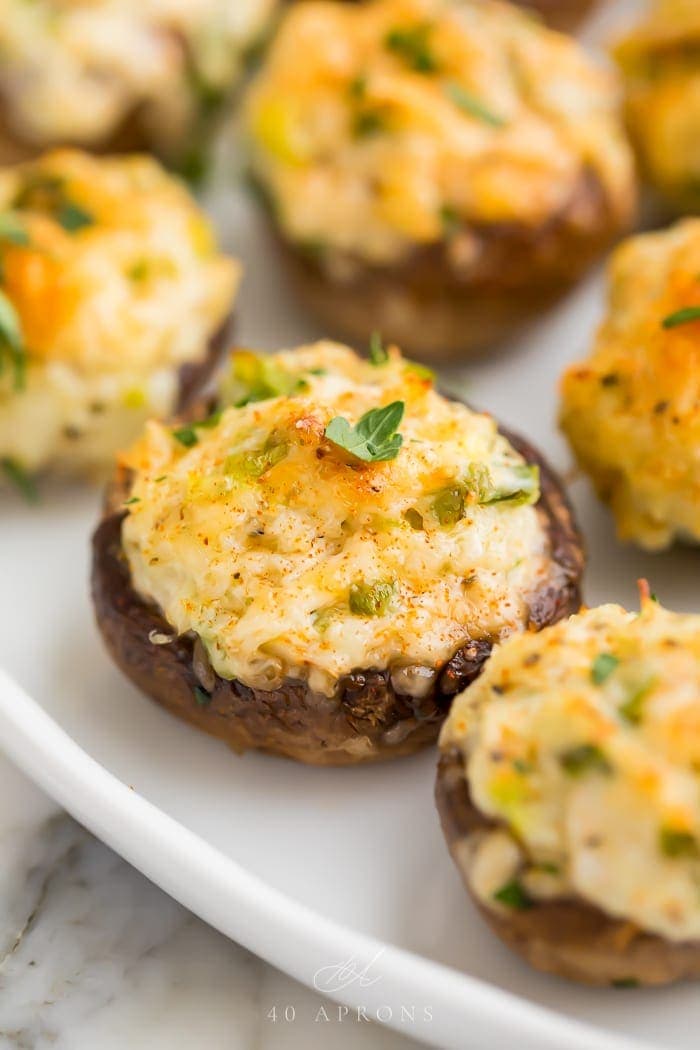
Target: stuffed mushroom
[(568, 791), (436, 171), (119, 74), (113, 296), (319, 565), (631, 410), (660, 63)]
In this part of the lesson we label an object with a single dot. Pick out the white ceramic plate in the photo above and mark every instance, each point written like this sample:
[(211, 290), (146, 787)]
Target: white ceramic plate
[(310, 868)]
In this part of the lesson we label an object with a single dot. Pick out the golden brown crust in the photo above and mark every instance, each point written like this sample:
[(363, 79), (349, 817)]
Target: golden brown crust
[(366, 720), (567, 937), (459, 297)]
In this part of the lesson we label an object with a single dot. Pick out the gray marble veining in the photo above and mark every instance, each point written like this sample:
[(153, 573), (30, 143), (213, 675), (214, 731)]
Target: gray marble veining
[(95, 957)]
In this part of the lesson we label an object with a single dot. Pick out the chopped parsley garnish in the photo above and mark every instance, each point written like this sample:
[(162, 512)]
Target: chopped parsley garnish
[(586, 758), (524, 489), (253, 463), (378, 353), (675, 843), (513, 895), (683, 316), (602, 667), (17, 475), (625, 982), (450, 504), (373, 438), (12, 229), (201, 696), (187, 436), (422, 371), (257, 377), (368, 122), (12, 349), (73, 218), (372, 599), (449, 219), (47, 193), (413, 46), (472, 105), (632, 710), (134, 499), (414, 518), (357, 88)]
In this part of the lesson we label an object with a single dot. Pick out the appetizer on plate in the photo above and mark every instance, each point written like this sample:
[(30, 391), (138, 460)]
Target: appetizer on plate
[(631, 410), (659, 63), (437, 171), (568, 791), (117, 74), (113, 297), (317, 567)]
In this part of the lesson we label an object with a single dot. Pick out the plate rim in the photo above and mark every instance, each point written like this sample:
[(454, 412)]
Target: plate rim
[(283, 931)]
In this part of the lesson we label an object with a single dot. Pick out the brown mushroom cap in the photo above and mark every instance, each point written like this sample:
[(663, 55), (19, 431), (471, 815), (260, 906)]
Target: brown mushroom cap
[(568, 936), (367, 718), (458, 297)]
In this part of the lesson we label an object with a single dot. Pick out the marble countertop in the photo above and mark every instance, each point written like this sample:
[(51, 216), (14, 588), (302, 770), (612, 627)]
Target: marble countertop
[(95, 957)]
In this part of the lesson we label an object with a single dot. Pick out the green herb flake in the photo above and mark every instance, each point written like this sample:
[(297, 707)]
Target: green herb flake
[(378, 353), (450, 504), (422, 371), (253, 463), (210, 422), (12, 229), (449, 220), (522, 490), (372, 599), (472, 105), (685, 315), (632, 710), (47, 193), (73, 218), (414, 519), (22, 481), (357, 87), (202, 697), (368, 122), (129, 502), (513, 895), (256, 377), (586, 758), (625, 982), (12, 348), (413, 46), (374, 437), (602, 667), (675, 843), (187, 436)]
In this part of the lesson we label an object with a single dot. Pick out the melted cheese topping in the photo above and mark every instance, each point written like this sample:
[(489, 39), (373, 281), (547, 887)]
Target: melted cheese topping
[(660, 60), (583, 742), (407, 116), (73, 71), (632, 409), (116, 282), (290, 558)]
